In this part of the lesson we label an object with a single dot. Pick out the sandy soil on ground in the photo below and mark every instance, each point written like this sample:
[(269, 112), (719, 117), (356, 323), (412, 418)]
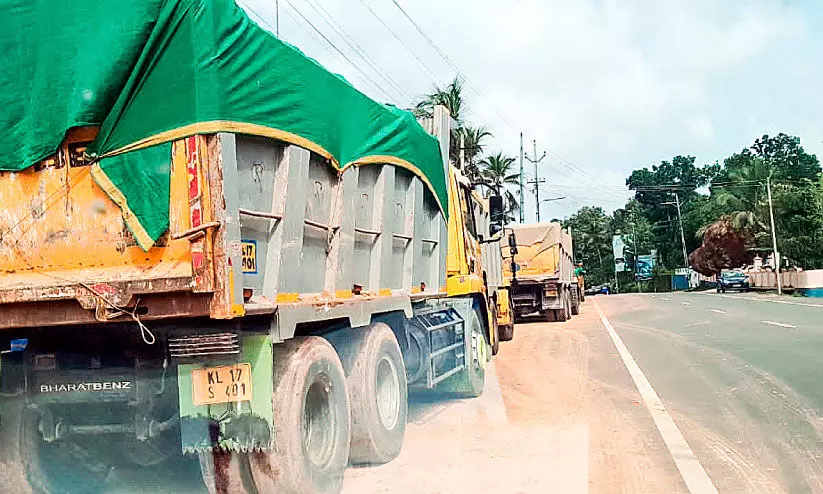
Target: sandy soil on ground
[(570, 373)]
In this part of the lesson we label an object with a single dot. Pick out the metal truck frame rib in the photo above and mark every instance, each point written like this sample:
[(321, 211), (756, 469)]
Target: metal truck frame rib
[(274, 332)]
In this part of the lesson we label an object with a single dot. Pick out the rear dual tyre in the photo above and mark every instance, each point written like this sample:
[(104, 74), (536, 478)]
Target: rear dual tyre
[(506, 333), (312, 421), (378, 392), (28, 464), (565, 313), (13, 477), (575, 302)]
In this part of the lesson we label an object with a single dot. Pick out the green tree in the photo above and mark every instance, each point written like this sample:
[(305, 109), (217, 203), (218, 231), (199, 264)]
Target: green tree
[(496, 173), (592, 233), (472, 142), (739, 194), (450, 96), (632, 223), (468, 137), (658, 188)]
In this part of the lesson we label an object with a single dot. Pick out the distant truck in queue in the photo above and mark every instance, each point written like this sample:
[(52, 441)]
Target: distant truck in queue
[(541, 269)]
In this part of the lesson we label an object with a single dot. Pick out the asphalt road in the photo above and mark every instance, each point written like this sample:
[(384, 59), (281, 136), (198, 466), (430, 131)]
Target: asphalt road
[(735, 405), (647, 393), (741, 376)]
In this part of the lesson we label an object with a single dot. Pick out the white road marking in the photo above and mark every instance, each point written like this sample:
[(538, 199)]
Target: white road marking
[(780, 324), (718, 311), (695, 477), (763, 298), (664, 298), (687, 303)]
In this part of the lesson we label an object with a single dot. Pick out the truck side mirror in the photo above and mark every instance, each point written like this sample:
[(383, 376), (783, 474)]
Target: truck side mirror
[(512, 244), (497, 215)]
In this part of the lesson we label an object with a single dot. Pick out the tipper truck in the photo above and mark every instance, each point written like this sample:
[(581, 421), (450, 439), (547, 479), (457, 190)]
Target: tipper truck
[(542, 272), (247, 263)]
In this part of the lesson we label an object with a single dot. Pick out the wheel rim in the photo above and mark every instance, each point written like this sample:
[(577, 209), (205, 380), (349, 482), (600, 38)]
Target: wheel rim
[(478, 347), (388, 393), (318, 418)]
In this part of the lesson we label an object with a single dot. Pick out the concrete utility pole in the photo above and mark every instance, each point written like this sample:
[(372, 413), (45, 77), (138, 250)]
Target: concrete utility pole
[(682, 236), (636, 253), (775, 254), (680, 220), (277, 18), (537, 180), (522, 192)]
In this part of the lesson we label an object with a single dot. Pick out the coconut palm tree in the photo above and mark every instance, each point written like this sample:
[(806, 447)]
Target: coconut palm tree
[(496, 172), (450, 96), (471, 139), (745, 200)]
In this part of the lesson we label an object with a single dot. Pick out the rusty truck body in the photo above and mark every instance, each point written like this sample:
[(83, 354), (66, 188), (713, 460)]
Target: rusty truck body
[(286, 296)]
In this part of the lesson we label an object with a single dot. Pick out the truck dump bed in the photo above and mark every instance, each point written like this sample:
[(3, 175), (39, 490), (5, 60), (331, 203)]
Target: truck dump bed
[(255, 223), (544, 251), (175, 186)]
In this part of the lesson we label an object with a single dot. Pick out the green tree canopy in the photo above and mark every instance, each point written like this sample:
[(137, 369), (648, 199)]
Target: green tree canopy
[(496, 171)]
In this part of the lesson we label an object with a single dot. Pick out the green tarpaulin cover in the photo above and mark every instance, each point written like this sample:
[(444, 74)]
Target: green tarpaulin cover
[(151, 71)]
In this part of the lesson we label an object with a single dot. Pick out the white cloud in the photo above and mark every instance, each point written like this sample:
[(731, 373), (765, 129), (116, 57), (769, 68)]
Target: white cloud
[(608, 84)]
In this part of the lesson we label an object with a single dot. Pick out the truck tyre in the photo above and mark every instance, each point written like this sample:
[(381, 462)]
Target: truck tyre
[(575, 302), (312, 421), (60, 467), (506, 332), (470, 381), (495, 347), (378, 392), (224, 472), (12, 470), (562, 315)]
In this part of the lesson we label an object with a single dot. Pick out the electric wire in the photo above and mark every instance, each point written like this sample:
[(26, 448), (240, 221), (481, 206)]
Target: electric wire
[(338, 50), (358, 49), (400, 40)]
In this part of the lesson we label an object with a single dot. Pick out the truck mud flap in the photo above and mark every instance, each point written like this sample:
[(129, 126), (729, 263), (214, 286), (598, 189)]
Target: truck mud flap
[(227, 404)]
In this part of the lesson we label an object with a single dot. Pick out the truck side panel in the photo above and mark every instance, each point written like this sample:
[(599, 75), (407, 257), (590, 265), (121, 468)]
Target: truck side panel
[(254, 223)]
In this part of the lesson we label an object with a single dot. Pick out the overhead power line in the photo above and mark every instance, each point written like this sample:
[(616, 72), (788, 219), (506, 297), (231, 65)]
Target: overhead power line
[(477, 90), (400, 40), (454, 66), (338, 50), (335, 54), (358, 49)]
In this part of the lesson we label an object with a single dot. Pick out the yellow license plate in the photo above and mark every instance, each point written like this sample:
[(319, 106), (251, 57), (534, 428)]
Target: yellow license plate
[(249, 256), (227, 384)]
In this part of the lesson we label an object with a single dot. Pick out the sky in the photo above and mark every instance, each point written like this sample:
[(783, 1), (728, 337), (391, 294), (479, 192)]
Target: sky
[(602, 86)]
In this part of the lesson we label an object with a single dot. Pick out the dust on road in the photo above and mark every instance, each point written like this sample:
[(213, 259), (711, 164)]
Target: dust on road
[(565, 418), (570, 373)]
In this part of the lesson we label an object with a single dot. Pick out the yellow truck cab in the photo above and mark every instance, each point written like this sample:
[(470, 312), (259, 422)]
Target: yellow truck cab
[(475, 258)]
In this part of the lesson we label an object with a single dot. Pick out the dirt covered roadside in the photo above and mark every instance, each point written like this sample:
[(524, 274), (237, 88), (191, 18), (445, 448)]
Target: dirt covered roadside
[(570, 373)]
